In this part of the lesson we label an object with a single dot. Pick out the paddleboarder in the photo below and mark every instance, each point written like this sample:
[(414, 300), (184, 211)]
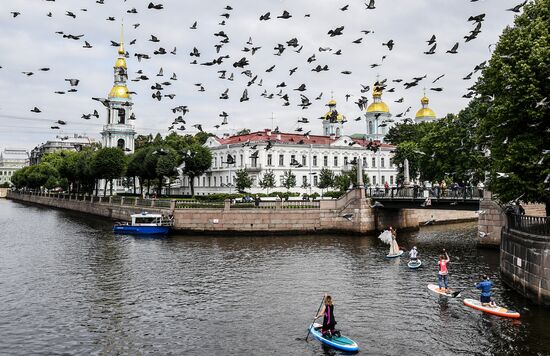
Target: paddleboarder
[(485, 285), (394, 247), (443, 272), (327, 312), (413, 254)]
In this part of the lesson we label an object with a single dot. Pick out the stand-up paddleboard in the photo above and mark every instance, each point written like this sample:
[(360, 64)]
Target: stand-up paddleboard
[(414, 264), (448, 293), (338, 342), (500, 311), (395, 254)]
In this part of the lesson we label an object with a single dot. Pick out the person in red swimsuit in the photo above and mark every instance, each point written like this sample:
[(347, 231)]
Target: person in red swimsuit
[(443, 272)]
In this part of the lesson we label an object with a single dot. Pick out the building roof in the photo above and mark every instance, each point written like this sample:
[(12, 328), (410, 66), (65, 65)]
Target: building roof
[(290, 139), (14, 154)]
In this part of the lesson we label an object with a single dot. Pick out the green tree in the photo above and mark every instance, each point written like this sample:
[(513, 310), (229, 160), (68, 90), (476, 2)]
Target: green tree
[(326, 179), (142, 141), (67, 168), (513, 108), (40, 174), (268, 180), (166, 165), (349, 178), (242, 180), (109, 163), (197, 160), (243, 132), (84, 171), (20, 177), (289, 180)]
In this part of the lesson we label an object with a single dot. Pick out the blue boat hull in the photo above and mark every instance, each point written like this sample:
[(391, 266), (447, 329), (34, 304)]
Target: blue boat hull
[(341, 343), (141, 230)]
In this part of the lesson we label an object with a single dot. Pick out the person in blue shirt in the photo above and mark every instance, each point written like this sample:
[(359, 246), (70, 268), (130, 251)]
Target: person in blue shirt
[(485, 285)]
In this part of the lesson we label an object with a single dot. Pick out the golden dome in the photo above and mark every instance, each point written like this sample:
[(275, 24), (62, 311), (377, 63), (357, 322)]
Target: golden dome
[(339, 117), (331, 102), (425, 112), (380, 107), (120, 63), (425, 100), (377, 92), (119, 91)]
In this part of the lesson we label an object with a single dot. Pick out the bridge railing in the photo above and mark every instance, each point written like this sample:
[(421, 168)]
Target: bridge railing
[(536, 225), (422, 193)]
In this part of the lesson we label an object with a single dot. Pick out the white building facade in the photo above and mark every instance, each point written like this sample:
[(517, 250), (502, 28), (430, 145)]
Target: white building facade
[(305, 155), (11, 160)]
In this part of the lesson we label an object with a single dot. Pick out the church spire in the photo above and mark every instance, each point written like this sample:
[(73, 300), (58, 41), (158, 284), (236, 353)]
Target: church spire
[(121, 46)]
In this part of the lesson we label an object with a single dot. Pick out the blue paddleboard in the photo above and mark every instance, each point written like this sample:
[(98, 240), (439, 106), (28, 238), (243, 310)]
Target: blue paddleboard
[(338, 342)]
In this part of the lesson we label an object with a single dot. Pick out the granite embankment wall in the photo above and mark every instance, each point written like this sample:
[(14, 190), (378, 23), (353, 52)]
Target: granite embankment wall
[(525, 264), (106, 209), (349, 214)]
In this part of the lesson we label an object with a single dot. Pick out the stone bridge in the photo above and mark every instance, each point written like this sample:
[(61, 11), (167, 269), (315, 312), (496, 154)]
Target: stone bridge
[(461, 198)]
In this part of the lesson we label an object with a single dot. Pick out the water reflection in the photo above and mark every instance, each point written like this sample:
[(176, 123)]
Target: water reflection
[(68, 285)]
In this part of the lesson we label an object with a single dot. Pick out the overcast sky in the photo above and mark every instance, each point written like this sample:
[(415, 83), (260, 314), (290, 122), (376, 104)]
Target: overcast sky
[(28, 42)]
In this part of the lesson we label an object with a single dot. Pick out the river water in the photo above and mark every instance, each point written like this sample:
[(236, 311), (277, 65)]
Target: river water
[(69, 286)]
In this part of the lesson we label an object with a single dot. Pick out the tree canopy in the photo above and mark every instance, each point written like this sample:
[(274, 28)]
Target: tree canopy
[(513, 108)]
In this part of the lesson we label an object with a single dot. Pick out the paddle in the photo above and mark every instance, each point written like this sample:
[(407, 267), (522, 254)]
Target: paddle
[(309, 329)]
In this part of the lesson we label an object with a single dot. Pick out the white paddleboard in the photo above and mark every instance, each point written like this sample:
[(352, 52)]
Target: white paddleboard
[(396, 254), (448, 293)]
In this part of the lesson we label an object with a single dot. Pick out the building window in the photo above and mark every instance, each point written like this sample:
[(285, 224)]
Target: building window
[(391, 180), (382, 162), (209, 182), (281, 160), (226, 180), (345, 161), (304, 181), (325, 161), (304, 161), (314, 161), (281, 180), (204, 181), (292, 159), (215, 162), (120, 144), (215, 183), (254, 161), (315, 180), (373, 162), (383, 180), (270, 159), (335, 161), (371, 131), (242, 161), (374, 180), (364, 162)]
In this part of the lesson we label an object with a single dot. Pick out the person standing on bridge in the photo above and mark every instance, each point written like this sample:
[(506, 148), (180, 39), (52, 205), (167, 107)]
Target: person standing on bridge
[(443, 275)]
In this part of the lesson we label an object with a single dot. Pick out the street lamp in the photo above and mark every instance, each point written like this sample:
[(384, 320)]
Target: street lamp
[(229, 161)]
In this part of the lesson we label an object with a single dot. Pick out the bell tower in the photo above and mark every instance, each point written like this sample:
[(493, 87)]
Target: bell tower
[(120, 129), (333, 121)]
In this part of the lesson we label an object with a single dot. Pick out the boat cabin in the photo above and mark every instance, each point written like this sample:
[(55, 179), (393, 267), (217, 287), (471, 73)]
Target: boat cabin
[(146, 219)]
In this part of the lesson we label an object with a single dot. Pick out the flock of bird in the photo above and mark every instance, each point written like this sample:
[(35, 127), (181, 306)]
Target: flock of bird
[(227, 67)]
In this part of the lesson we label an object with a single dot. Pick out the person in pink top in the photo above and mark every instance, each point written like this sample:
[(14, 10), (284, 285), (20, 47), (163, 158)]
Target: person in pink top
[(443, 272)]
